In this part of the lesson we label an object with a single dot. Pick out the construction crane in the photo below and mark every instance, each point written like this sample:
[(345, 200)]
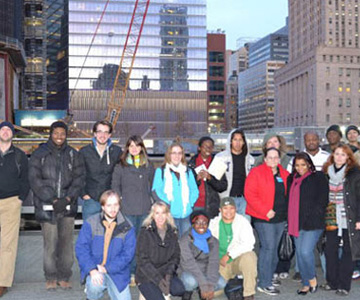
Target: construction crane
[(127, 59)]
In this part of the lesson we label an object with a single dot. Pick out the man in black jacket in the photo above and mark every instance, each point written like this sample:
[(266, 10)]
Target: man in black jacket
[(100, 158), (56, 175), (14, 187)]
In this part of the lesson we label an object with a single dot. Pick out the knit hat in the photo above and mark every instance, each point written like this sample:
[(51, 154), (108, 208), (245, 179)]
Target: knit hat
[(351, 127), (8, 124), (227, 201), (335, 128), (194, 215), (58, 124)]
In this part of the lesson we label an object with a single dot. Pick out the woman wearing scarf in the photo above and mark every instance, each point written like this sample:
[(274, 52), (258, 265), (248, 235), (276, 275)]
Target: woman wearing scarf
[(342, 219), (174, 183), (308, 196), (199, 263), (132, 180)]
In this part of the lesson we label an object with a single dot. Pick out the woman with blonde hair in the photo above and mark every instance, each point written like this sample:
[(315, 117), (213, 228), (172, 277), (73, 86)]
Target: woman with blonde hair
[(342, 219), (158, 255), (174, 183)]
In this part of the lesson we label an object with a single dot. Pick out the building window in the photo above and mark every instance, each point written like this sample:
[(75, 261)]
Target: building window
[(341, 71), (340, 88), (216, 71), (348, 102), (348, 87), (340, 102), (216, 100), (327, 102), (216, 56), (348, 72), (216, 85), (327, 86), (340, 117), (348, 118), (327, 118), (327, 71)]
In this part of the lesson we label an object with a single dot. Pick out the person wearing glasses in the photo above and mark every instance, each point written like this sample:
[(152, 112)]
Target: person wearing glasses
[(199, 263), (174, 183), (100, 158), (265, 190)]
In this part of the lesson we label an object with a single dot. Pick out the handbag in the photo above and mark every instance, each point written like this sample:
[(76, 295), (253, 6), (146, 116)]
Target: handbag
[(286, 249)]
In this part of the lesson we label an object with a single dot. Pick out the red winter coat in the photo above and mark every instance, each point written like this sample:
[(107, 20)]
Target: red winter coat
[(260, 190)]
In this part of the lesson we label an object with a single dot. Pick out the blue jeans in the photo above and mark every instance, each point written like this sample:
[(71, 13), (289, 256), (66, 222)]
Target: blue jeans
[(182, 225), (191, 283), (90, 207), (94, 292), (240, 203), (269, 236), (136, 221), (305, 245), (58, 249)]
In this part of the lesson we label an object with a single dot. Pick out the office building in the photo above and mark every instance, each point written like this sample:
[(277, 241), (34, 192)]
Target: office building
[(171, 58), (216, 43), (12, 57), (321, 83)]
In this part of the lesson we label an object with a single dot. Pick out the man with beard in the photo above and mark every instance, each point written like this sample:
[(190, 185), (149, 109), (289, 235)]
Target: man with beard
[(105, 249), (56, 176), (14, 187), (100, 158)]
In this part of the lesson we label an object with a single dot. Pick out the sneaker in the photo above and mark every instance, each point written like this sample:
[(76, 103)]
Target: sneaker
[(341, 292), (297, 277), (270, 290), (276, 282), (356, 275), (284, 275)]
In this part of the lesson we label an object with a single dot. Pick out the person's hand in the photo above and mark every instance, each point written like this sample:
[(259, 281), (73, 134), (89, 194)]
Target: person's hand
[(164, 285), (207, 295), (59, 205), (357, 226), (206, 175), (96, 277), (101, 269), (86, 197), (271, 214), (224, 260)]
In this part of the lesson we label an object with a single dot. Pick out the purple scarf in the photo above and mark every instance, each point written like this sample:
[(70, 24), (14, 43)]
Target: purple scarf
[(294, 201)]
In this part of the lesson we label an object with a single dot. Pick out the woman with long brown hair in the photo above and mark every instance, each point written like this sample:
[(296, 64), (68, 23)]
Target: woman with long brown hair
[(342, 219)]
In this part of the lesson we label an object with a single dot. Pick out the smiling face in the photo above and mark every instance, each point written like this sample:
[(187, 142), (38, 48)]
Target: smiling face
[(201, 224), (133, 149), (272, 159), (206, 149), (340, 157), (111, 207), (160, 216), (176, 155), (228, 213), (102, 134), (301, 167), (273, 143), (352, 136), (6, 134), (58, 136)]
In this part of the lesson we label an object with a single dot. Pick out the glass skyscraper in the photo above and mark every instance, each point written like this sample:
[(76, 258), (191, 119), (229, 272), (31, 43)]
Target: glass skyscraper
[(171, 54)]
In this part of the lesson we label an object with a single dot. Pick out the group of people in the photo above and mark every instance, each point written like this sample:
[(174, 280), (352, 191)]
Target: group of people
[(187, 226)]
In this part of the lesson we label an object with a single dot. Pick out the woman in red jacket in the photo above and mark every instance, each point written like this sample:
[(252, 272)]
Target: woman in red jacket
[(265, 190)]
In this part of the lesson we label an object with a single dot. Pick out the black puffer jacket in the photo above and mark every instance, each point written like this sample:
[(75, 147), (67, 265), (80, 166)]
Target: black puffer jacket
[(98, 170), (314, 197), (134, 186), (212, 188), (156, 258), (55, 173), (352, 207)]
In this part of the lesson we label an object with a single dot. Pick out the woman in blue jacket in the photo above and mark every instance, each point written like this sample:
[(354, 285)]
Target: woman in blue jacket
[(174, 183)]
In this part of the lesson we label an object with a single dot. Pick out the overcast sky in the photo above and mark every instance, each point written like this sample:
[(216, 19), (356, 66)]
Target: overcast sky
[(246, 18)]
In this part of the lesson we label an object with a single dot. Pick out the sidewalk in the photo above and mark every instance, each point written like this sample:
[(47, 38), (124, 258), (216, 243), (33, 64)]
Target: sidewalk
[(30, 283)]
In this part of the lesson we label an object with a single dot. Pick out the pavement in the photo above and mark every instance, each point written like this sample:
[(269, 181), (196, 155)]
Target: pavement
[(29, 280)]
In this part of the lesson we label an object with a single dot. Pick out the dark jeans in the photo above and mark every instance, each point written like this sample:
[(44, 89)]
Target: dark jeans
[(136, 221), (152, 292), (269, 237), (58, 249), (338, 269)]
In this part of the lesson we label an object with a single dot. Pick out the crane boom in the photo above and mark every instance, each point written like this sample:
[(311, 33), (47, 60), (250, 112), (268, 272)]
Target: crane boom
[(127, 59)]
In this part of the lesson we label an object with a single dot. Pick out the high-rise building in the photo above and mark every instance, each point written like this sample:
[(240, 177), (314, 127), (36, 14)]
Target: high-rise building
[(171, 57), (238, 61), (12, 57), (231, 112), (256, 84), (321, 83), (216, 43)]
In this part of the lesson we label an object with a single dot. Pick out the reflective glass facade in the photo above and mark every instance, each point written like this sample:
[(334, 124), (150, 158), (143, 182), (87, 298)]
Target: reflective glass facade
[(171, 54)]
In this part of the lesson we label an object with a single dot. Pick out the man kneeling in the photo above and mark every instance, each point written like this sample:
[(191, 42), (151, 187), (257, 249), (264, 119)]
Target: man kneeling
[(105, 249), (199, 263), (236, 244)]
